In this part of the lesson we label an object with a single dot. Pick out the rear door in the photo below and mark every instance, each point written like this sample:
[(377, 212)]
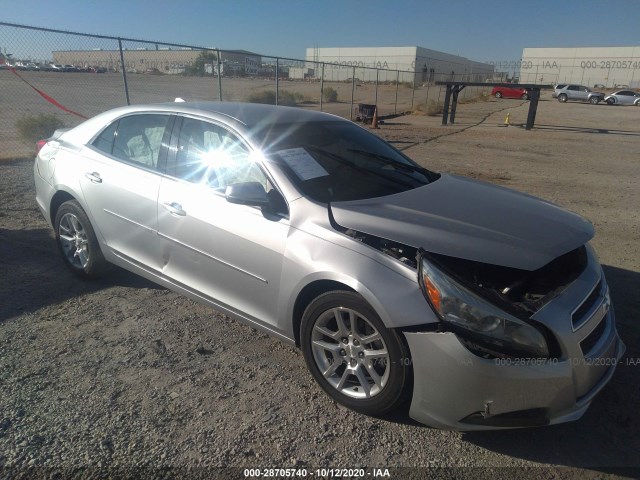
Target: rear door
[(573, 92), (231, 253), (120, 183)]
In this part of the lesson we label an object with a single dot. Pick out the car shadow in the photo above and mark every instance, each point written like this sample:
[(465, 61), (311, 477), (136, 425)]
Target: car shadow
[(605, 438), (34, 274), (601, 131)]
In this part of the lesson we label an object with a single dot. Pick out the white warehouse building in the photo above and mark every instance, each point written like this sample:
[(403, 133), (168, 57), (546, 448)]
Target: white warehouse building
[(590, 66), (403, 63)]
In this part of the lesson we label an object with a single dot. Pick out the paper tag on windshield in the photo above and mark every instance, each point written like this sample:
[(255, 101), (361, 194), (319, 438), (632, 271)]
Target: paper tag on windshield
[(304, 165)]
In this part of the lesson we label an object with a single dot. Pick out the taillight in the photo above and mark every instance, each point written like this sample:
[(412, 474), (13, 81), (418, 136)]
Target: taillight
[(39, 145)]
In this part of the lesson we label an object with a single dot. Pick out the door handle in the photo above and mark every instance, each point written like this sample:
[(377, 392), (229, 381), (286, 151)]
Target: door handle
[(174, 208), (94, 177)]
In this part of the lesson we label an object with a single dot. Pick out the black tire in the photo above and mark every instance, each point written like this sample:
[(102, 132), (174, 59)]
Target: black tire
[(594, 100), (394, 374), (611, 101), (562, 97), (525, 96), (498, 94), (73, 230)]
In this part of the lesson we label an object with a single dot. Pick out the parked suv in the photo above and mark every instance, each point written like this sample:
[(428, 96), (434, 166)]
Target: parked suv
[(578, 93)]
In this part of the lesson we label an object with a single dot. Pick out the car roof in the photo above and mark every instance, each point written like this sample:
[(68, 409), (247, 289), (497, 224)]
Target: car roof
[(246, 117)]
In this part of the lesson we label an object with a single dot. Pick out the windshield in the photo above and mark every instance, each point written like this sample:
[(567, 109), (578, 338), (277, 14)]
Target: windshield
[(339, 161)]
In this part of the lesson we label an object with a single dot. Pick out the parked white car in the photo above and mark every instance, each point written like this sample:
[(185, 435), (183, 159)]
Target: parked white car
[(623, 97)]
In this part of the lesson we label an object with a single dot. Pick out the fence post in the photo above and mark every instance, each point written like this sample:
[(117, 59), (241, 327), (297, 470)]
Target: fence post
[(413, 89), (353, 89), (395, 107), (124, 71), (219, 75), (376, 102), (321, 84), (277, 62)]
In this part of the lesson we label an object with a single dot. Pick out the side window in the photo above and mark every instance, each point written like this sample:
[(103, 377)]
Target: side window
[(104, 141), (209, 154), (139, 139), (573, 87)]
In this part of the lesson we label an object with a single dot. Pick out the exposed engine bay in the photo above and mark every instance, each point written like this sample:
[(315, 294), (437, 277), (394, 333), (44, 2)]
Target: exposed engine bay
[(521, 292)]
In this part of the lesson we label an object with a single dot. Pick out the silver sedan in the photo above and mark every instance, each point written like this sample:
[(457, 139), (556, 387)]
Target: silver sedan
[(623, 97), (485, 307)]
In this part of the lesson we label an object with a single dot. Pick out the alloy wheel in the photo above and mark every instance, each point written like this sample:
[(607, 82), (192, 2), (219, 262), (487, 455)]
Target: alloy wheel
[(350, 353), (74, 240)]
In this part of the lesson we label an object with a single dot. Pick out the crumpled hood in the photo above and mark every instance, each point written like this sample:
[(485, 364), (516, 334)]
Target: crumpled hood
[(472, 220)]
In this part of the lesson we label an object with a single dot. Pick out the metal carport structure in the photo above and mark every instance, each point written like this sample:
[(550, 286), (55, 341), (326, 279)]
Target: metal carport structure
[(454, 88)]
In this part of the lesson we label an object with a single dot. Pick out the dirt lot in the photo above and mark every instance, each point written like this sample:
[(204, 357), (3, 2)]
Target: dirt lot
[(119, 375), (89, 94)]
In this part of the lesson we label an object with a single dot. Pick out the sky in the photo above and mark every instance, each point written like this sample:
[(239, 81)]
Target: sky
[(479, 30)]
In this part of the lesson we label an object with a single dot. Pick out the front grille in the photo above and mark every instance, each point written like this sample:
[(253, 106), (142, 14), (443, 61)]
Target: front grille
[(592, 339), (578, 316)]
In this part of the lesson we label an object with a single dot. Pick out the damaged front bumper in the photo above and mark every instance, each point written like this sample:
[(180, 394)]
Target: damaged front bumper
[(455, 388)]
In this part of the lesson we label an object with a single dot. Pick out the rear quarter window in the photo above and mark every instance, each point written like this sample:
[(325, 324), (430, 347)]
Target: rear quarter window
[(104, 141)]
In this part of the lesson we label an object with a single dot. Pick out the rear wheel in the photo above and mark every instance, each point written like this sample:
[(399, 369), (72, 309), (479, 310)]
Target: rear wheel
[(352, 355), (77, 241), (525, 96), (594, 100), (562, 97), (498, 94)]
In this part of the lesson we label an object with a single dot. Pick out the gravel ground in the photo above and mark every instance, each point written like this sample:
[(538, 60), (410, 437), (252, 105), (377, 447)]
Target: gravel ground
[(119, 377)]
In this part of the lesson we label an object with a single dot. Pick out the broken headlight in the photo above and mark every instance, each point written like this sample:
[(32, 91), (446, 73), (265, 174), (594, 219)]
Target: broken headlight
[(477, 319)]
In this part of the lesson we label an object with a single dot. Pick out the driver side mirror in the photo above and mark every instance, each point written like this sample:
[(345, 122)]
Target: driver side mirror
[(247, 193)]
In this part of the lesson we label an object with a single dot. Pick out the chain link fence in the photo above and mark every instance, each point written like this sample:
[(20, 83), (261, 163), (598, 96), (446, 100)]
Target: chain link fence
[(55, 77)]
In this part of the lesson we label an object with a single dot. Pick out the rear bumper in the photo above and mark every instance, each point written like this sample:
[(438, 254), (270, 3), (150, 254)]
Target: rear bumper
[(44, 193)]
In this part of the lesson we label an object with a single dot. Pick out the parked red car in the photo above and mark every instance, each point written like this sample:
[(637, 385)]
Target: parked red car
[(507, 92)]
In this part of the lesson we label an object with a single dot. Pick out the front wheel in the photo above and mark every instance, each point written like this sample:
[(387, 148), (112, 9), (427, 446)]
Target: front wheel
[(594, 100), (525, 96), (352, 355), (498, 94), (562, 97), (610, 101), (77, 241)]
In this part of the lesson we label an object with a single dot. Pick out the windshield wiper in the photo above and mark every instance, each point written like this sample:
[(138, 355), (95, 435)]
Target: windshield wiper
[(395, 163)]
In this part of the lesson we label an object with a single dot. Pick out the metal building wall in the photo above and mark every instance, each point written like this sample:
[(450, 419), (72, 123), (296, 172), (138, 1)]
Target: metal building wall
[(589, 66), (428, 65)]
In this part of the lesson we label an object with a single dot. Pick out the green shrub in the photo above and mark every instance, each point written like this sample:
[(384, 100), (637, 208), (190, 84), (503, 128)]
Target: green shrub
[(286, 98), (329, 95), (32, 128)]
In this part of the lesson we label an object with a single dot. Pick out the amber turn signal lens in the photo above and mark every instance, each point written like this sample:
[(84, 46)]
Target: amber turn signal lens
[(434, 293)]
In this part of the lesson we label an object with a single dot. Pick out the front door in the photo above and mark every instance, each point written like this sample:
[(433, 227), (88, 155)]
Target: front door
[(231, 253)]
